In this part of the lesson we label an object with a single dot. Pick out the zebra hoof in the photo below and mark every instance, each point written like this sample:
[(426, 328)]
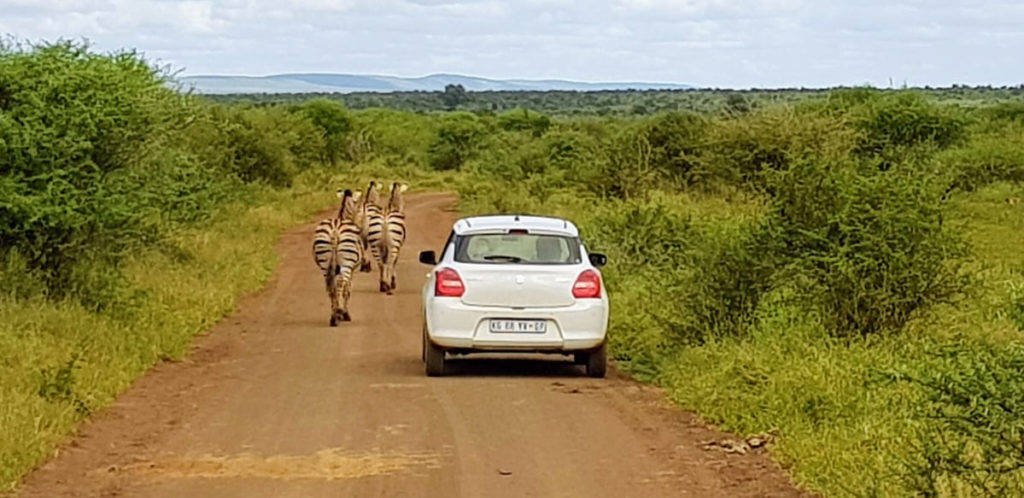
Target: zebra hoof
[(334, 321), (345, 317), (393, 284), (366, 268), (390, 293), (384, 287)]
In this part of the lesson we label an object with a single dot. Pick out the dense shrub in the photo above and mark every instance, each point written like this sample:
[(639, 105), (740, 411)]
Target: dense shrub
[(459, 137), (100, 157), (732, 271), (534, 123), (988, 158), (393, 137), (266, 145), (677, 140), (69, 120), (334, 123), (903, 120), (974, 396), (872, 242), (740, 151)]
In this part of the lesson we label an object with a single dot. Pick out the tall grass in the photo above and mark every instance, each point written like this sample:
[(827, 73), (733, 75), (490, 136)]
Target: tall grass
[(63, 361)]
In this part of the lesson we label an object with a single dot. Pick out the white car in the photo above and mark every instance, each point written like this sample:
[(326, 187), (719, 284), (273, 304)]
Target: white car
[(511, 283)]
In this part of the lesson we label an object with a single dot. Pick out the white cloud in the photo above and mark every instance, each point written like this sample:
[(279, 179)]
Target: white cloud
[(706, 42)]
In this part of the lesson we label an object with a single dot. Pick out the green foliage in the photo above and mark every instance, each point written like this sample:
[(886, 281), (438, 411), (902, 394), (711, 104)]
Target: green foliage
[(71, 121), (1016, 305), (907, 119), (525, 121), (974, 396), (333, 120), (264, 146), (732, 271), (390, 136), (741, 151), (873, 243), (101, 158), (453, 96), (459, 137), (619, 103), (987, 158), (1003, 112), (677, 142)]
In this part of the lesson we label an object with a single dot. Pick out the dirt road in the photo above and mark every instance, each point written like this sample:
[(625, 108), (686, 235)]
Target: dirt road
[(273, 402)]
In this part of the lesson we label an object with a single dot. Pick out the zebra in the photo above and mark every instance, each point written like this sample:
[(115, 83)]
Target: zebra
[(337, 250), (370, 219), (393, 236)]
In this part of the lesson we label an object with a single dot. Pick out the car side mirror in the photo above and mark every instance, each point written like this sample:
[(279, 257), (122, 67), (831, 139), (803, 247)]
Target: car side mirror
[(428, 258), (598, 259)]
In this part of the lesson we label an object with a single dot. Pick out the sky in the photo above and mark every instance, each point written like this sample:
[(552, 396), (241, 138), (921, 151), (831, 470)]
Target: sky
[(706, 43)]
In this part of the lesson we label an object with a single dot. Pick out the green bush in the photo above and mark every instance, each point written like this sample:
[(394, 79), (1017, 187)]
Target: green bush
[(399, 138), (873, 243), (459, 137), (333, 120), (894, 122), (70, 121), (740, 151), (101, 158), (986, 159), (265, 145), (523, 120), (732, 271), (974, 399), (677, 140)]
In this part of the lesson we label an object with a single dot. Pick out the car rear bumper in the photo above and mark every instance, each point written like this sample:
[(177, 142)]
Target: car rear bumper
[(454, 325)]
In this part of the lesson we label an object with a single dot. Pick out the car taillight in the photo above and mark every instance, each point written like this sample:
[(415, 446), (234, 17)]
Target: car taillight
[(587, 286), (448, 283)]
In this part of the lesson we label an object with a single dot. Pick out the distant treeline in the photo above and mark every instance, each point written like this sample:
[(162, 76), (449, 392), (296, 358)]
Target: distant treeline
[(617, 103)]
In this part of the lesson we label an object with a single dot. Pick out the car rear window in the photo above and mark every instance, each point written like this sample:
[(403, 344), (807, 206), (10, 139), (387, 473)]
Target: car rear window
[(525, 248)]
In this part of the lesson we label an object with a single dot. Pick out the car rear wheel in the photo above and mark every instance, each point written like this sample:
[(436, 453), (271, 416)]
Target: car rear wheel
[(597, 362), (433, 357)]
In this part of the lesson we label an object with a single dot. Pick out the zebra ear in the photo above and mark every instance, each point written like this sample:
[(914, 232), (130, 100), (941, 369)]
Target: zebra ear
[(341, 193), (356, 195), (403, 188), (378, 187)]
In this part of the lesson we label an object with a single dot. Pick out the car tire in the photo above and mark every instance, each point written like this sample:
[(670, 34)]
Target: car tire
[(423, 345), (580, 358), (433, 357), (597, 362)]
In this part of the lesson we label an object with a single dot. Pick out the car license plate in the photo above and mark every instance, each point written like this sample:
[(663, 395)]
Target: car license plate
[(519, 326)]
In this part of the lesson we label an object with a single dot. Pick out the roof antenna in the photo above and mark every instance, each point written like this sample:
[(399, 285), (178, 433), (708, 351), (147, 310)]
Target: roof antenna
[(517, 218)]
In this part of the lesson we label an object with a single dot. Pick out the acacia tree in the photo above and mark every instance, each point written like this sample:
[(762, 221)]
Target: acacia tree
[(454, 96)]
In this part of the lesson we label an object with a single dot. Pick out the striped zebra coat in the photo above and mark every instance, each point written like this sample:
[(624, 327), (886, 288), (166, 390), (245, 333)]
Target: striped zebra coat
[(393, 235), (370, 220), (338, 250)]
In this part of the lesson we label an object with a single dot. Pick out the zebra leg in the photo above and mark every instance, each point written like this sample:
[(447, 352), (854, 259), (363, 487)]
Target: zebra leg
[(367, 265), (332, 291), (346, 293), (384, 277), (394, 263), (391, 277)]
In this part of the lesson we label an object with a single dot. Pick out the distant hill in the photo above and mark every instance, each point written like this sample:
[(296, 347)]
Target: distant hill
[(349, 83)]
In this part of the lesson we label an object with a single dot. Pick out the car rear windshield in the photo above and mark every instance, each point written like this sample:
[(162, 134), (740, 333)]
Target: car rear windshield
[(524, 248)]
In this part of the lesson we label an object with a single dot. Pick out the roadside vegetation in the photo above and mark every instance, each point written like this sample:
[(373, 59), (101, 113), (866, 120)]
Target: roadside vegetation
[(843, 271)]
